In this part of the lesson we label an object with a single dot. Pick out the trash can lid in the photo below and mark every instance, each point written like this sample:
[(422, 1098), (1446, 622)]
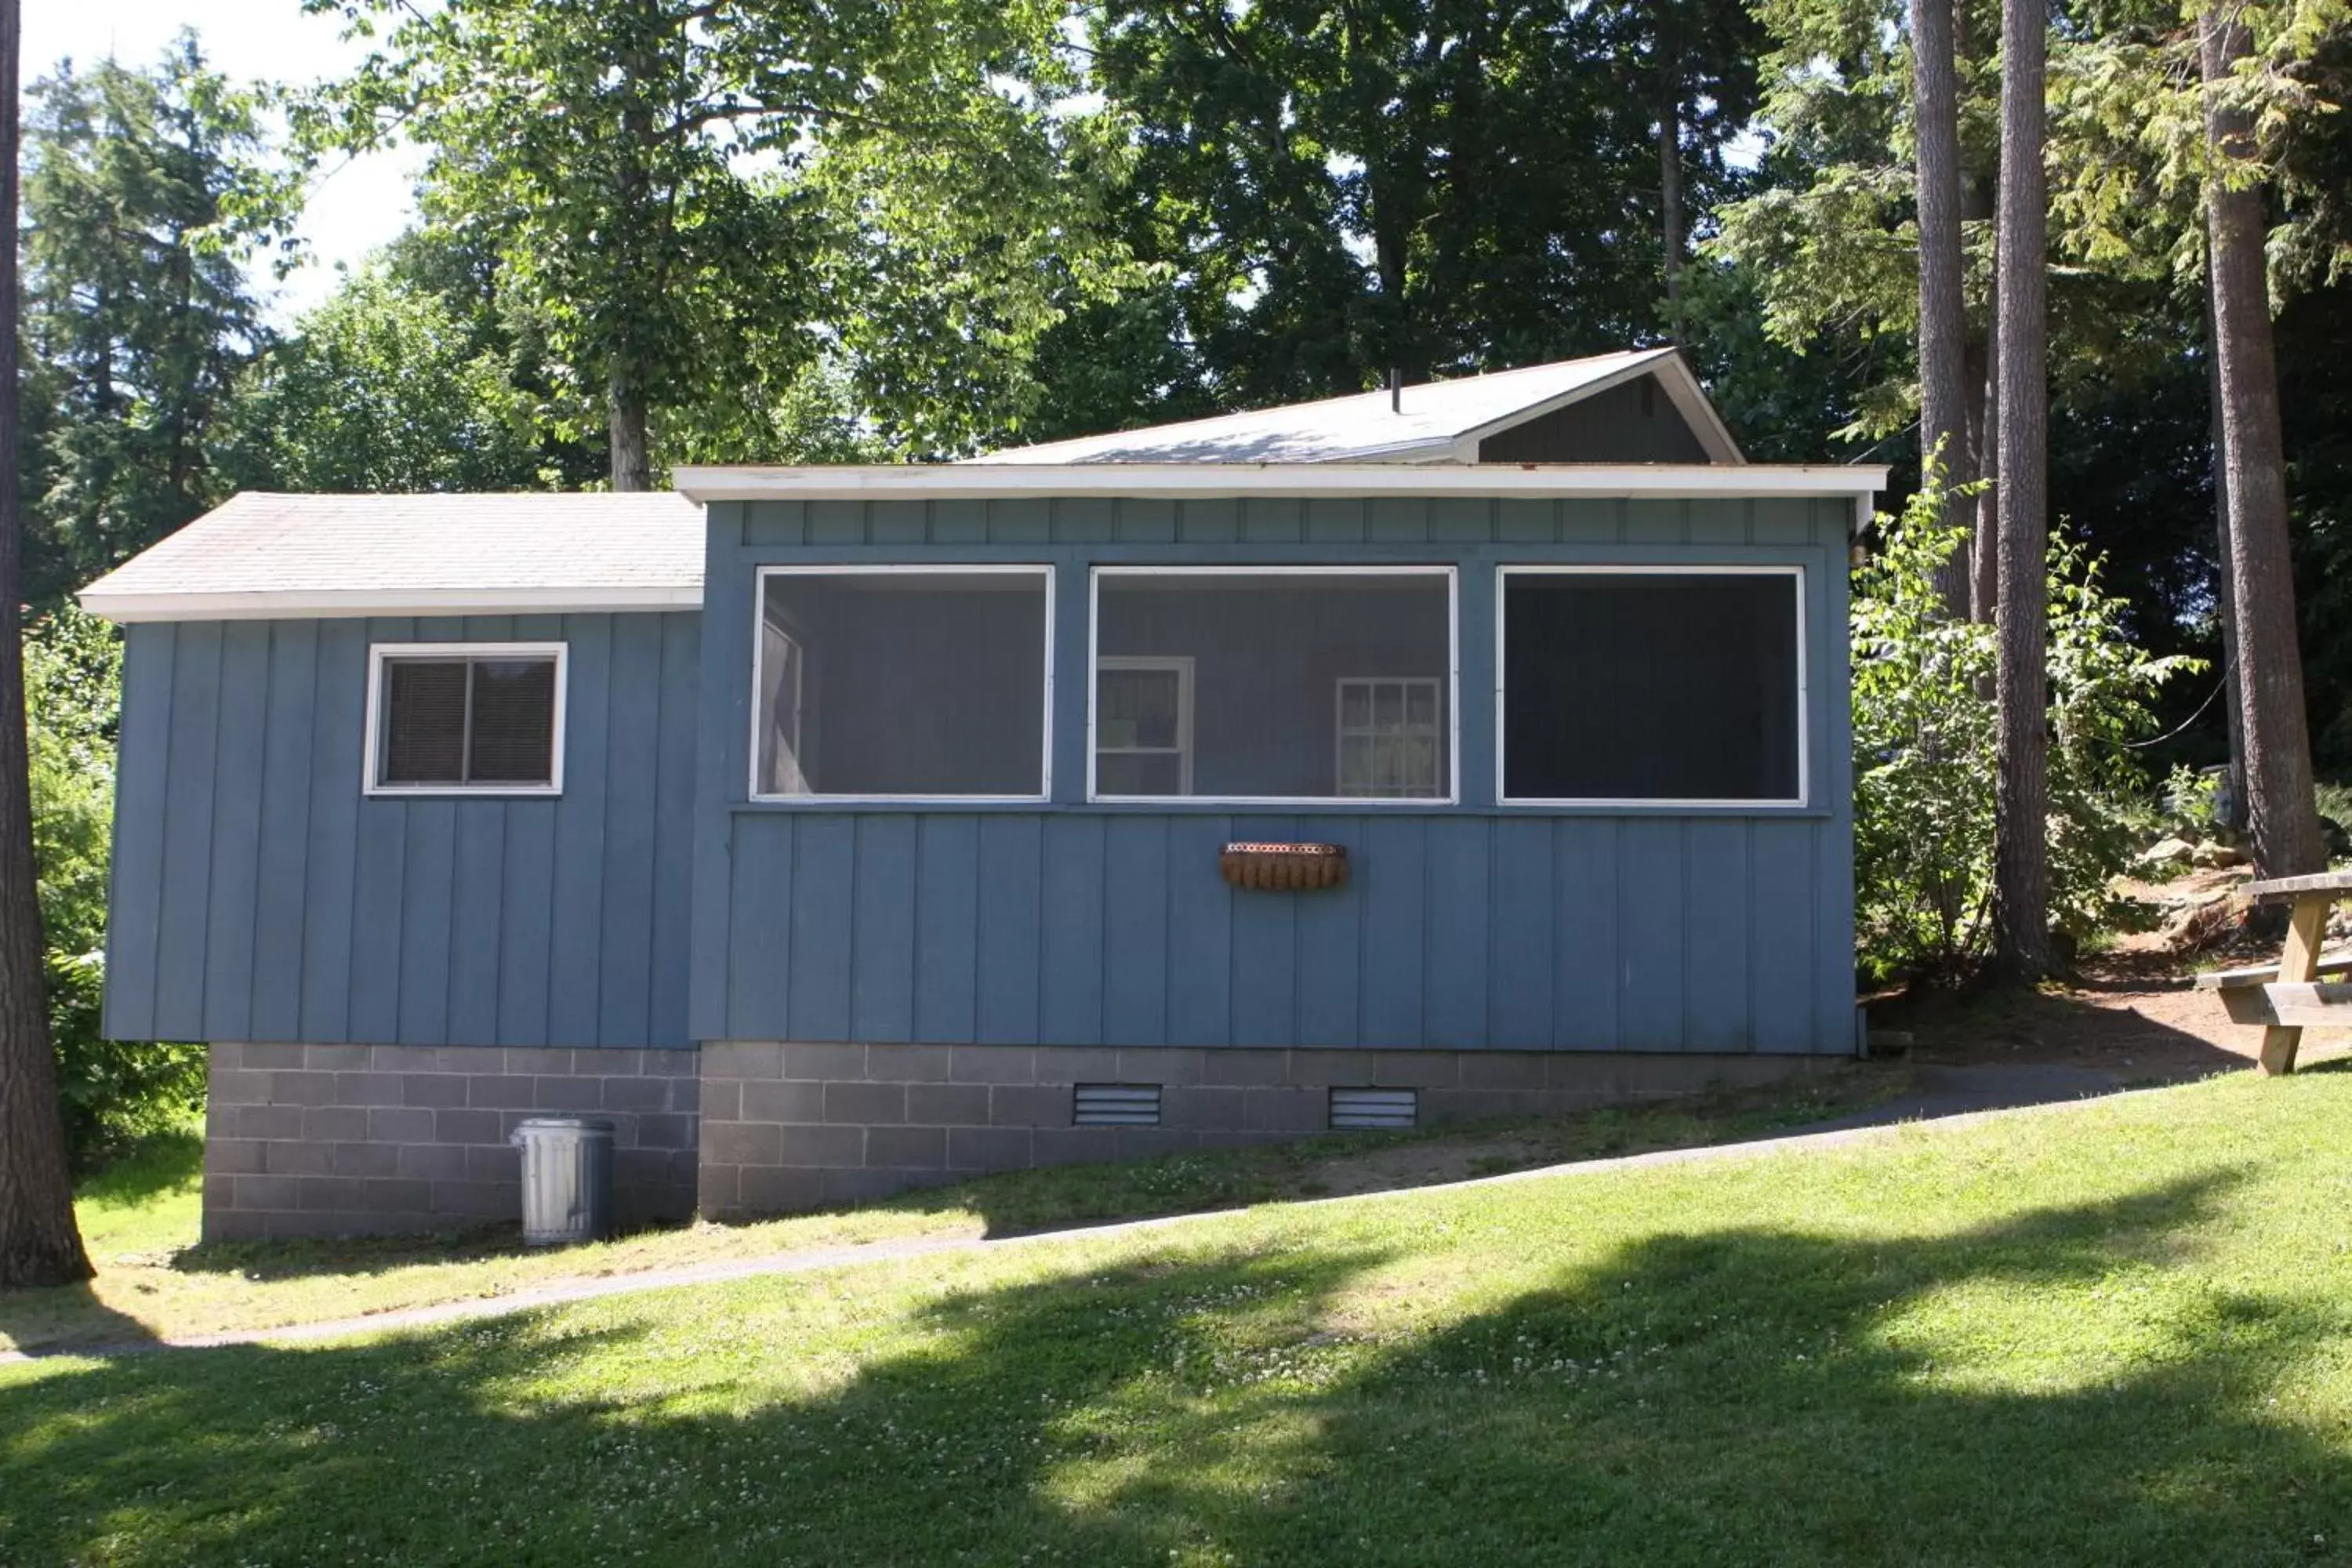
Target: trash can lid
[(577, 1125)]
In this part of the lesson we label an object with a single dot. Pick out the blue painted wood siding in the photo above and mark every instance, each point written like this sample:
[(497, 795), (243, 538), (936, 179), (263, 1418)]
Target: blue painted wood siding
[(1466, 926), (259, 894)]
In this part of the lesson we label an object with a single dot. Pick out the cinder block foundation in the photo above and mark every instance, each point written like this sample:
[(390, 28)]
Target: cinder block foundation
[(306, 1140), (351, 1140), (797, 1126)]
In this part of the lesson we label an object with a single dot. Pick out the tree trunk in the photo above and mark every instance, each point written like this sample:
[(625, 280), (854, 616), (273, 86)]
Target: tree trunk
[(2233, 701), (38, 1242), (2277, 744), (1943, 311), (2021, 793), (633, 468), (1670, 198), (1978, 197)]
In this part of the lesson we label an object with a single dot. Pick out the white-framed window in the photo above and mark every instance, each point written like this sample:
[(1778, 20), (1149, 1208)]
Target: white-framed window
[(1238, 680), (1650, 685), (892, 682), (1387, 739), (483, 718), (1143, 725)]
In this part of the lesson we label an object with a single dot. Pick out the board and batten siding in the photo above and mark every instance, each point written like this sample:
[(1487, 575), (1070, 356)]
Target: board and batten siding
[(260, 894), (1463, 926)]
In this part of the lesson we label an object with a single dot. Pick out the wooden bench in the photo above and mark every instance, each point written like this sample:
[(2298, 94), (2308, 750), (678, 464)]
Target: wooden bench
[(2290, 997)]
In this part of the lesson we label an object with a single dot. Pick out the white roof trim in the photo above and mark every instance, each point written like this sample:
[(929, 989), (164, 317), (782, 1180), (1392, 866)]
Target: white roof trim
[(963, 481), (319, 605)]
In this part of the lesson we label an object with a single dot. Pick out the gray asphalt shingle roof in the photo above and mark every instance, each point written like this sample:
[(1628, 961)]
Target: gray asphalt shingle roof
[(523, 551)]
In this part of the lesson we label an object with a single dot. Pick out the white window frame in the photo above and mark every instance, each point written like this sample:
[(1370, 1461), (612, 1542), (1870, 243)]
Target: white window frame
[(1043, 570), (382, 652), (1796, 575), (1449, 575), (1340, 731), (1181, 665)]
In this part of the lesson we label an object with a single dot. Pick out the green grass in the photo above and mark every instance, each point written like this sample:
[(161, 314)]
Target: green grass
[(2115, 1333), (140, 1218), (146, 1203)]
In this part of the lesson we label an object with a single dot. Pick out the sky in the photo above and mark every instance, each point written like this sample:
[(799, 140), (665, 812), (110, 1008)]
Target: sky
[(353, 206)]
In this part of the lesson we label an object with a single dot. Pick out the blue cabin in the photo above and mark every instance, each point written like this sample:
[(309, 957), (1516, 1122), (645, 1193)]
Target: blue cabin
[(1476, 750)]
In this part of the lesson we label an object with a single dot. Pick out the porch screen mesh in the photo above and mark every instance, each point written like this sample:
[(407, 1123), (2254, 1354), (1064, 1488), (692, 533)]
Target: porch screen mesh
[(1279, 685), (902, 683), (1666, 686)]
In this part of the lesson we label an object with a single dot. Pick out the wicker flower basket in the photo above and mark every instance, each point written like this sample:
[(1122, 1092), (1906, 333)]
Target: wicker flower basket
[(1294, 868)]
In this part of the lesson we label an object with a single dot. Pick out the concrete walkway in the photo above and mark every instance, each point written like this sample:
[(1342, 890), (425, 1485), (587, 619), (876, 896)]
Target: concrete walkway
[(1947, 1096)]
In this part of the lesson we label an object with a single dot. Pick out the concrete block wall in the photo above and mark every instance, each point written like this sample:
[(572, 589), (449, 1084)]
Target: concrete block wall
[(310, 1140), (789, 1126)]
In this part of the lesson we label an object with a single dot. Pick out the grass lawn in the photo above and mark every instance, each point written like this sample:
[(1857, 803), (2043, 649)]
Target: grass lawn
[(140, 1218), (2112, 1333)]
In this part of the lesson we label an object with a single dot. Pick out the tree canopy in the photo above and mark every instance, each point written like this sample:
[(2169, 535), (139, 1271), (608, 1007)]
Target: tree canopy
[(146, 192)]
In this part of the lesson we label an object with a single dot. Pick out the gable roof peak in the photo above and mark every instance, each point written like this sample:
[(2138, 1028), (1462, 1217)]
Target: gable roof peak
[(1427, 422)]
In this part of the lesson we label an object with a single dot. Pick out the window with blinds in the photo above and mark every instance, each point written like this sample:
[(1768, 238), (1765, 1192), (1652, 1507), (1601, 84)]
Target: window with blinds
[(484, 716)]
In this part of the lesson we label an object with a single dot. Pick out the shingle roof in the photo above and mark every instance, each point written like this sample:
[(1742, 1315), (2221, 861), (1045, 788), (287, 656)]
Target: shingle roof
[(323, 554), (1432, 422)]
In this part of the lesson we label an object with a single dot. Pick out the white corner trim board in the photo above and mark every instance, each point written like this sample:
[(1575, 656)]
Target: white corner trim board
[(959, 481)]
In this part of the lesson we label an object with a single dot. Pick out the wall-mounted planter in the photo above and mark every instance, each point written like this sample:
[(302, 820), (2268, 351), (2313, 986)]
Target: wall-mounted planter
[(1287, 867)]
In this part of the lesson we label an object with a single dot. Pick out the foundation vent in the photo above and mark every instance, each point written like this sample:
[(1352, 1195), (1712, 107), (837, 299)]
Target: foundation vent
[(1116, 1105), (1375, 1108)]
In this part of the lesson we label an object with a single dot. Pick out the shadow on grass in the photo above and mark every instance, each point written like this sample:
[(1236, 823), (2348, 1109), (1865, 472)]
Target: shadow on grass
[(146, 1169), (30, 1316), (1740, 1394)]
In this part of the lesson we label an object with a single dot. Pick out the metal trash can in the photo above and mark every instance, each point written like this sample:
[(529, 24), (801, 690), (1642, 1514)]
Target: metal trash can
[(567, 1179)]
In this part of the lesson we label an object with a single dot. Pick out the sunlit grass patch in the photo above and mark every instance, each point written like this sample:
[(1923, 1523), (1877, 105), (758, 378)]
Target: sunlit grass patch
[(2109, 1333)]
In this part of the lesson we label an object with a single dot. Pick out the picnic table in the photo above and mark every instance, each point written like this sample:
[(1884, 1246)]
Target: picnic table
[(2296, 992)]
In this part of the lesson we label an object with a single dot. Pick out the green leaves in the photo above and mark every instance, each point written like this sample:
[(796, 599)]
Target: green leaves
[(382, 389), (1925, 750), (693, 204), (145, 193), (108, 1089), (1414, 183)]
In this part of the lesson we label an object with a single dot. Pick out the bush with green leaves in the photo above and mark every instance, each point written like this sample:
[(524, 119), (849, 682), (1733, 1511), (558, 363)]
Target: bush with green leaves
[(111, 1091), (1924, 758)]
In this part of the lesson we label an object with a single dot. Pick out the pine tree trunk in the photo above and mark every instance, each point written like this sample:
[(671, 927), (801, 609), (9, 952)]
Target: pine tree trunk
[(2277, 744), (2022, 792), (1984, 543), (633, 468), (1943, 312), (2233, 699), (38, 1242)]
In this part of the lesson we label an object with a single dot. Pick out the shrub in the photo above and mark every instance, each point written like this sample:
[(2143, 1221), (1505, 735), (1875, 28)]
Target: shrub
[(1924, 758), (109, 1091)]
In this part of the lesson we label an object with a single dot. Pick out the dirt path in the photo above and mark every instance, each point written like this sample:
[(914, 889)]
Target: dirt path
[(2130, 1010)]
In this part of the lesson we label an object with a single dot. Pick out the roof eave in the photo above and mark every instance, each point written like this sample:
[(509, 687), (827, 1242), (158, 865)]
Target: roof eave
[(944, 481), (127, 609)]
